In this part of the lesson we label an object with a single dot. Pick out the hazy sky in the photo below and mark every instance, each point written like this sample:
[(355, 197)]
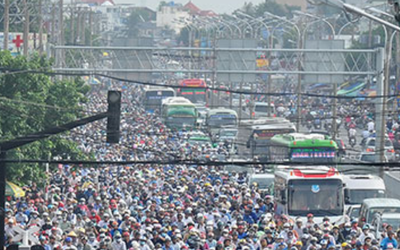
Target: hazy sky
[(219, 6)]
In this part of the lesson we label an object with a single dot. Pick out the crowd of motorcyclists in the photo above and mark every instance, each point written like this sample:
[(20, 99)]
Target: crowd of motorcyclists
[(169, 206)]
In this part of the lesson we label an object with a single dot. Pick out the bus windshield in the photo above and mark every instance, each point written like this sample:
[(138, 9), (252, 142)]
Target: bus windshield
[(263, 108), (357, 196), (195, 95), (222, 120), (174, 121), (154, 98), (321, 197), (313, 154)]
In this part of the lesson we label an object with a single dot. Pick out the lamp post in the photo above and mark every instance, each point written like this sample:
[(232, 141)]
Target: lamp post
[(299, 60)]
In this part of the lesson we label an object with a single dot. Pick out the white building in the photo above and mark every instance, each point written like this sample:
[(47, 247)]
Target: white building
[(169, 15)]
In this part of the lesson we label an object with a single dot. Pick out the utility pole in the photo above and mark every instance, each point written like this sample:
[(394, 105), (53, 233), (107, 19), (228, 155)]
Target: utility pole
[(334, 113), (61, 32), (72, 36), (53, 23), (40, 21), (78, 27), (299, 59), (397, 67), (83, 30), (61, 22), (379, 109), (230, 95), (91, 27), (6, 25), (26, 27), (370, 34), (240, 101), (269, 85)]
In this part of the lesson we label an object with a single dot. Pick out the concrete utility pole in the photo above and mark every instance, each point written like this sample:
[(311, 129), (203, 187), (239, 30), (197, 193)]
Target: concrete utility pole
[(40, 22), (72, 36), (379, 110), (6, 23), (26, 28), (61, 22), (61, 31), (53, 22)]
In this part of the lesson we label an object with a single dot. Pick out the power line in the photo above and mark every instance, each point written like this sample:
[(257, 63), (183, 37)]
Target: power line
[(390, 165), (14, 71)]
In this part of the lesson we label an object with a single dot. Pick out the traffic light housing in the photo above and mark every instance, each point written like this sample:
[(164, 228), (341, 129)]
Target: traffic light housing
[(114, 116)]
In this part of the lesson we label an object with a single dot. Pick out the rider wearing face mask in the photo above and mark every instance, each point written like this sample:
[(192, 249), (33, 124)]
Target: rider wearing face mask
[(35, 220), (118, 243)]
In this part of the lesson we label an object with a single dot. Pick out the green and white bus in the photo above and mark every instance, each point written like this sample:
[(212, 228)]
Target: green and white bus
[(300, 147), (178, 113)]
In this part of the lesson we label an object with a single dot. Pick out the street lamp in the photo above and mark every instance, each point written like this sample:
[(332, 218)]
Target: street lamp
[(299, 46), (351, 8), (246, 24), (316, 17)]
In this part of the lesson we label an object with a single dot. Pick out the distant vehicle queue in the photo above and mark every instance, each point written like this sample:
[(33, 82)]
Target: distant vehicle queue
[(298, 191)]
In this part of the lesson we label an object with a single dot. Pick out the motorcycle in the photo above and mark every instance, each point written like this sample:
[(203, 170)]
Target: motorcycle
[(317, 123), (338, 123), (328, 127), (352, 141), (309, 125)]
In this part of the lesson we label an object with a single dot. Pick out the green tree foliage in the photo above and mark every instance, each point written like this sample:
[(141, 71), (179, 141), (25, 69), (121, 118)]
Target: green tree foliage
[(184, 36), (31, 103), (161, 4), (137, 16), (271, 6)]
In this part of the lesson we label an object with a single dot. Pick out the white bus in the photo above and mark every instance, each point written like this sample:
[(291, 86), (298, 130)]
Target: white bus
[(154, 96), (221, 118), (304, 190)]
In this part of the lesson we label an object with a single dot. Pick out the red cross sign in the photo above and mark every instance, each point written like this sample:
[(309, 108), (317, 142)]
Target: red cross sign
[(18, 41)]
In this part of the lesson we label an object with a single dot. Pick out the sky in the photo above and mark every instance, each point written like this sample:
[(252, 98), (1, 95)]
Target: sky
[(218, 6)]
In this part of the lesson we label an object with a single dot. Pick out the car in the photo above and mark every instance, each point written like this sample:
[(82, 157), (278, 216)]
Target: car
[(227, 134), (199, 140), (263, 181), (379, 220), (369, 146), (261, 109), (370, 157), (372, 206), (353, 211), (235, 168)]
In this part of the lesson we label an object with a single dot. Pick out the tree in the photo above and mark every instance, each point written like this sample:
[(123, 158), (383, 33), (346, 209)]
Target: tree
[(162, 4), (137, 16), (31, 103)]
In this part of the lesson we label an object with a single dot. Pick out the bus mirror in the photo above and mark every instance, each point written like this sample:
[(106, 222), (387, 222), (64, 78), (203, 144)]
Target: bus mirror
[(283, 197), (346, 195)]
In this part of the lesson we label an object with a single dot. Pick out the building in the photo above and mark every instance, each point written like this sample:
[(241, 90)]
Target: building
[(196, 11), (177, 16), (173, 16)]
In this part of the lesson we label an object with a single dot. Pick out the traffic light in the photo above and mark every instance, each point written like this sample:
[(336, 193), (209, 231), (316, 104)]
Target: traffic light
[(114, 116)]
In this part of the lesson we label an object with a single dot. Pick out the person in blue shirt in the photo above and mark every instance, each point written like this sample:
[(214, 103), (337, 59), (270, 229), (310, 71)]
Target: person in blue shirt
[(389, 242), (249, 216)]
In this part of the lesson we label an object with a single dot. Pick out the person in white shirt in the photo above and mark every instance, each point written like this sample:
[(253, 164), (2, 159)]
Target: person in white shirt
[(118, 243)]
